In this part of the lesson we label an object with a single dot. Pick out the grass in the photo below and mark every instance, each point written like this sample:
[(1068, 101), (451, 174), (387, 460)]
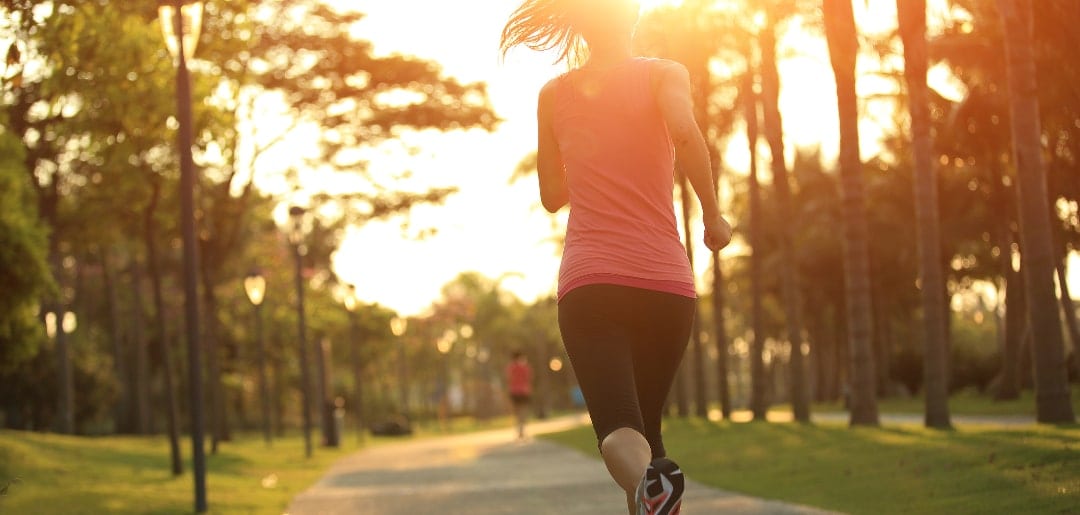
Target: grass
[(55, 474), (895, 469), (967, 402)]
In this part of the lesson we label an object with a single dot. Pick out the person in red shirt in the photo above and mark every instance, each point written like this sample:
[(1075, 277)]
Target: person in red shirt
[(609, 133), (519, 381)]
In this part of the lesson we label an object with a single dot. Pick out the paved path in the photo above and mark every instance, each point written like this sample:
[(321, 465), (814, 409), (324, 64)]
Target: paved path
[(490, 473)]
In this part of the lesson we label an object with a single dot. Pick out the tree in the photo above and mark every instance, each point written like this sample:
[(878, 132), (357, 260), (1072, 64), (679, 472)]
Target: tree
[(305, 54), (843, 45), (24, 271), (758, 391), (912, 15), (697, 35), (774, 135), (1052, 398)]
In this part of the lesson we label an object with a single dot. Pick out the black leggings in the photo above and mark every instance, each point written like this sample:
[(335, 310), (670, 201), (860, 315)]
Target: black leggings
[(625, 345)]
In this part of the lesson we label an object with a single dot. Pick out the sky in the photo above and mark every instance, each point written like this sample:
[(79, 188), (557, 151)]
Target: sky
[(495, 227)]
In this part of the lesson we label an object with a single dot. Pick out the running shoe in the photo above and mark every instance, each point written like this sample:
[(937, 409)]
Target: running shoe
[(661, 489)]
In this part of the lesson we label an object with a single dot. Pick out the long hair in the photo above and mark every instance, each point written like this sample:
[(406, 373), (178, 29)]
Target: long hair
[(544, 25)]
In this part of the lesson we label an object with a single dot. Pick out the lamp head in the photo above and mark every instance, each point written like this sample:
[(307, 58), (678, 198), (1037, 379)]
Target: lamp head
[(50, 325), (296, 229), (398, 326), (351, 301), (189, 23), (255, 287), (69, 323)]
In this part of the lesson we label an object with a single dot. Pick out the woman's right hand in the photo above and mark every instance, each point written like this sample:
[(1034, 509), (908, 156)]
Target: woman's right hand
[(717, 233)]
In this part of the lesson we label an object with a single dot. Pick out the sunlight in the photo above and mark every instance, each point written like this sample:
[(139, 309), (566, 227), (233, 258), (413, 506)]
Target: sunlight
[(653, 4)]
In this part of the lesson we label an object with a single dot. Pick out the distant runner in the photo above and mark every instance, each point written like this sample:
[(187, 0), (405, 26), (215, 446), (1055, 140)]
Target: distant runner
[(519, 377), (609, 131)]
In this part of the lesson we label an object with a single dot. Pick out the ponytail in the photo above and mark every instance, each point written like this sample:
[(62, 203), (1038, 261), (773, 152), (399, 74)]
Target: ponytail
[(544, 25)]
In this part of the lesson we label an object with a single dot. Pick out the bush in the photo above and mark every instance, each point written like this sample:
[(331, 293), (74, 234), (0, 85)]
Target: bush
[(974, 357)]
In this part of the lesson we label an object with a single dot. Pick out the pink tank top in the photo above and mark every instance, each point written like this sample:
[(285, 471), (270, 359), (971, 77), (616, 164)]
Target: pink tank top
[(620, 166)]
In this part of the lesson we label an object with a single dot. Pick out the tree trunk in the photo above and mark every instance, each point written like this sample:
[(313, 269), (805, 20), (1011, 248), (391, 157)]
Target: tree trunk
[(1052, 396), (65, 407), (882, 347), (758, 402), (843, 354), (697, 369), (723, 389), (161, 330), (277, 392), (912, 18), (1068, 307), (141, 358), (843, 48), (358, 374), (122, 411), (789, 272), (218, 423), (1015, 320), (324, 393)]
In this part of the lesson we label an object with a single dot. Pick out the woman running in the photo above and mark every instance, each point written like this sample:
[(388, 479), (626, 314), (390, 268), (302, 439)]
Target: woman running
[(609, 131), (519, 377)]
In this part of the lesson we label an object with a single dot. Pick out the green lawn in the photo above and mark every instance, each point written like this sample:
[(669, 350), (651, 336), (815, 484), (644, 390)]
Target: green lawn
[(967, 402), (56, 474), (896, 469)]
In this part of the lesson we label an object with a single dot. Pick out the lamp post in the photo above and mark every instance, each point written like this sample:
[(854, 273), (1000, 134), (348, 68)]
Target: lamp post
[(296, 237), (255, 287), (352, 304), (398, 326), (181, 22), (57, 328)]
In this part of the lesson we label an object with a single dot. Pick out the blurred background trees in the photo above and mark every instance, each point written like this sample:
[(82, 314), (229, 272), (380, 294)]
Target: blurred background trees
[(88, 187)]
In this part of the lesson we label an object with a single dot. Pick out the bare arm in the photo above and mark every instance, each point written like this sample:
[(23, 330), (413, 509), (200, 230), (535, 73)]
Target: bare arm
[(549, 164), (672, 83)]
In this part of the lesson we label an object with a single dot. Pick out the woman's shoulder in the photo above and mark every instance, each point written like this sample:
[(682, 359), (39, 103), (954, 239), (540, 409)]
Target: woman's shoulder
[(660, 65), (659, 70)]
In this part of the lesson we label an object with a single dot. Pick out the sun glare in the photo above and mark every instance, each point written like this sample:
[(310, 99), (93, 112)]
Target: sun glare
[(653, 4)]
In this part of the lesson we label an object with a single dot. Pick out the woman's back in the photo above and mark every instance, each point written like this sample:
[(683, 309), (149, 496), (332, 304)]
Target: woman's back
[(619, 164)]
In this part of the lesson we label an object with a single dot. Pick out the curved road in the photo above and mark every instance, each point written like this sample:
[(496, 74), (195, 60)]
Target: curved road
[(490, 473)]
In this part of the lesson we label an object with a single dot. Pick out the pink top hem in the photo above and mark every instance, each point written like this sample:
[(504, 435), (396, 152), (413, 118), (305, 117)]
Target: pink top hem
[(673, 287)]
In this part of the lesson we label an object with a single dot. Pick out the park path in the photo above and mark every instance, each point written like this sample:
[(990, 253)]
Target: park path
[(490, 473)]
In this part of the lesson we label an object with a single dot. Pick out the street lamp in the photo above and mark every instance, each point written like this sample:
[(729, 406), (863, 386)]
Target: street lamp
[(181, 22), (352, 304), (296, 237), (57, 329), (446, 343), (398, 326), (255, 287)]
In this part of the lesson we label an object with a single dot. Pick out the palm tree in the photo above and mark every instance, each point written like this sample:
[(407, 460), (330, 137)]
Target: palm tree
[(1052, 403), (723, 390), (912, 14), (789, 275), (843, 48), (758, 402), (698, 365)]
